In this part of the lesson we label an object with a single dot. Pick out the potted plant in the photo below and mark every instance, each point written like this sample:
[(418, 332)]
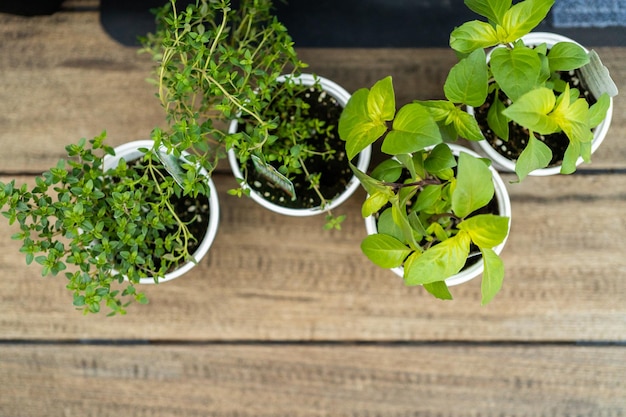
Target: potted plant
[(217, 63), (113, 218), (549, 102), (433, 213)]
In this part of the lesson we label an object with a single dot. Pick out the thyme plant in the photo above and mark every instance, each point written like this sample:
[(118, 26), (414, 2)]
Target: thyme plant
[(105, 230), (216, 63)]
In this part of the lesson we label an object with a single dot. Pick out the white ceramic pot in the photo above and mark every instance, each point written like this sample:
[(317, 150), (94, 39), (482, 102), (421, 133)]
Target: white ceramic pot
[(504, 164), (504, 209), (130, 151), (363, 160)]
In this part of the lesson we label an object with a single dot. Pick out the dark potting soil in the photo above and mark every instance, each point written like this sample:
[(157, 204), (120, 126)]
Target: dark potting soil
[(336, 172), (518, 135)]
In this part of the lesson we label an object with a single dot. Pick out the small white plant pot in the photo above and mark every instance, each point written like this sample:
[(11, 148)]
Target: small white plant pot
[(505, 164), (504, 209), (130, 151), (363, 159)]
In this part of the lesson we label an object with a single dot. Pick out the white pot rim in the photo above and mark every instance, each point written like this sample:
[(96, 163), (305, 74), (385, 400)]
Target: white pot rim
[(504, 164), (130, 150), (504, 208), (342, 96)]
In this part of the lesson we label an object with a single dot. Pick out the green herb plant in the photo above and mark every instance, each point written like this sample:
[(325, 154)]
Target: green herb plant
[(538, 98), (102, 229), (216, 63), (431, 206)]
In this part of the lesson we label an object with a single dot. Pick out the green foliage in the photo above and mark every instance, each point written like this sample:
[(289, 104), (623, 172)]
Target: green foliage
[(98, 227), (216, 63), (425, 198), (529, 76)]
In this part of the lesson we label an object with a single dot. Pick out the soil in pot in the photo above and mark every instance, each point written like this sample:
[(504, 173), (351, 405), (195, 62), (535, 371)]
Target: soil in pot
[(336, 172), (518, 135)]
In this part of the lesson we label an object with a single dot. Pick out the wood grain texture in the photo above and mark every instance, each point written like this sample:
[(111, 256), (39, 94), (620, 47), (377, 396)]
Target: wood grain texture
[(312, 381), (283, 318), (64, 78), (274, 278)]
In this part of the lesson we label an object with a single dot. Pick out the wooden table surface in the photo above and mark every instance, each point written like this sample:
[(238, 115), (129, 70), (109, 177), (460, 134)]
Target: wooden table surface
[(283, 318)]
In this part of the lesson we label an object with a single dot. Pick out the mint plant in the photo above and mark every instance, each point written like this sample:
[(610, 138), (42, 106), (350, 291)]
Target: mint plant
[(432, 206), (104, 229), (216, 63), (527, 83)]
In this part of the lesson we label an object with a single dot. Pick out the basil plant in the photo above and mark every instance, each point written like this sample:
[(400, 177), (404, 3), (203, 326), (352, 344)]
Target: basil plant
[(537, 96), (432, 207)]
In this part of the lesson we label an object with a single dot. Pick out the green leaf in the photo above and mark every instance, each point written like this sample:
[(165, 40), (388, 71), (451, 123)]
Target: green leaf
[(381, 101), (533, 111), (467, 82), (356, 127), (389, 171), (570, 158), (413, 130), (466, 126), (474, 188), (486, 230), (497, 121), (567, 56), (439, 289), (516, 70), (385, 251), (373, 203), (597, 112), (573, 118), (523, 17), (439, 262), (493, 275), (493, 10), (439, 158), (473, 35), (536, 155), (387, 226)]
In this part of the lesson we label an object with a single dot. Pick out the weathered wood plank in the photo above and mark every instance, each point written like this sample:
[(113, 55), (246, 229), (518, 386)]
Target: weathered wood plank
[(274, 278), (64, 78), (297, 381)]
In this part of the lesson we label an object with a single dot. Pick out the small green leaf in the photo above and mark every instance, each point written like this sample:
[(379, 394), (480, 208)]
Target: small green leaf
[(567, 56), (474, 187), (466, 126), (533, 111), (389, 171), (467, 82), (497, 121), (439, 158), (385, 251), (536, 155), (516, 70), (387, 226), (381, 101), (597, 112), (373, 203), (439, 262), (473, 35), (493, 275), (413, 130), (486, 230), (523, 17), (439, 289), (493, 10), (356, 127)]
